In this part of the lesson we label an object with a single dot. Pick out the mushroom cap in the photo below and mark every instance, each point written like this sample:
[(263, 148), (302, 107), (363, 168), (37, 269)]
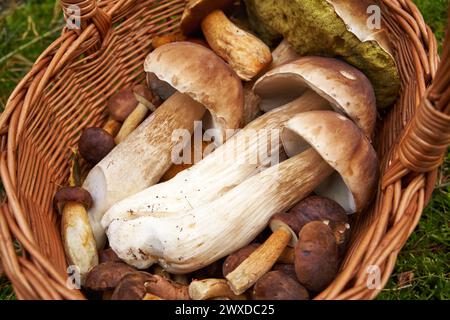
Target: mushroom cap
[(280, 221), (95, 144), (344, 147), (122, 104), (235, 259), (314, 208), (288, 269), (277, 285), (345, 30), (131, 287), (197, 71), (316, 256), (347, 89), (72, 194), (145, 96), (197, 10), (107, 275)]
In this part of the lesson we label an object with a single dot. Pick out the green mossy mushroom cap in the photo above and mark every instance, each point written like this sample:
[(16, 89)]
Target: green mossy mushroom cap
[(337, 28)]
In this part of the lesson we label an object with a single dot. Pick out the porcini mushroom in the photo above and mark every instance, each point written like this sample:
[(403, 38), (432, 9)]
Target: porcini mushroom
[(335, 28), (76, 232), (95, 144), (142, 160), (317, 257), (145, 102), (244, 52), (277, 285)]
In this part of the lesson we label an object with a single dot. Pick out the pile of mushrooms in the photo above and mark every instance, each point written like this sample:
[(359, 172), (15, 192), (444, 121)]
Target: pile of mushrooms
[(265, 212)]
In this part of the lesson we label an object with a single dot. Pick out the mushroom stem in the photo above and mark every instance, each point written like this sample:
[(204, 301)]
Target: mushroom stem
[(211, 289), (244, 52), (133, 121), (248, 272), (112, 126)]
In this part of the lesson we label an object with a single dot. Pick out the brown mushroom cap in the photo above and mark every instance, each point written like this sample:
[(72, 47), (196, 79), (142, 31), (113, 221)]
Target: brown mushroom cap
[(95, 144), (235, 259), (72, 194), (197, 10), (277, 285), (347, 89), (107, 275), (122, 104), (345, 148), (131, 287), (316, 256), (313, 208), (146, 97), (289, 269), (197, 71), (108, 255)]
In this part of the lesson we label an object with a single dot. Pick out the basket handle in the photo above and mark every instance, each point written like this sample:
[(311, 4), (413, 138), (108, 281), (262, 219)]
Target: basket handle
[(80, 13), (427, 137)]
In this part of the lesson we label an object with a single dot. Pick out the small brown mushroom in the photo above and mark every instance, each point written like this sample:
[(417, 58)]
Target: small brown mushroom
[(244, 52), (76, 232), (316, 256), (211, 289), (95, 144), (107, 275), (316, 208), (145, 101), (277, 285)]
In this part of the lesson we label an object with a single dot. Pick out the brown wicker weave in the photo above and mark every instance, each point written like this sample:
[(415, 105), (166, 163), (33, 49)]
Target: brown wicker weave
[(67, 90)]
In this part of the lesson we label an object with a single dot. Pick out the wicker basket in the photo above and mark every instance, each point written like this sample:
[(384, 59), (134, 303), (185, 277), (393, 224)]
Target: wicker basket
[(67, 90)]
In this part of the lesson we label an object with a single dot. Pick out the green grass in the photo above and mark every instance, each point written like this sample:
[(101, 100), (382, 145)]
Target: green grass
[(33, 26)]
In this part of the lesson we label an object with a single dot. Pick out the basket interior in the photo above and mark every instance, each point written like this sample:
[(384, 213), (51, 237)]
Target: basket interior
[(76, 93)]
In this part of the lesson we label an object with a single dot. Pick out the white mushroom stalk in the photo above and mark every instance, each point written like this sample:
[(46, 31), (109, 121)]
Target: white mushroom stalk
[(182, 242), (142, 159)]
